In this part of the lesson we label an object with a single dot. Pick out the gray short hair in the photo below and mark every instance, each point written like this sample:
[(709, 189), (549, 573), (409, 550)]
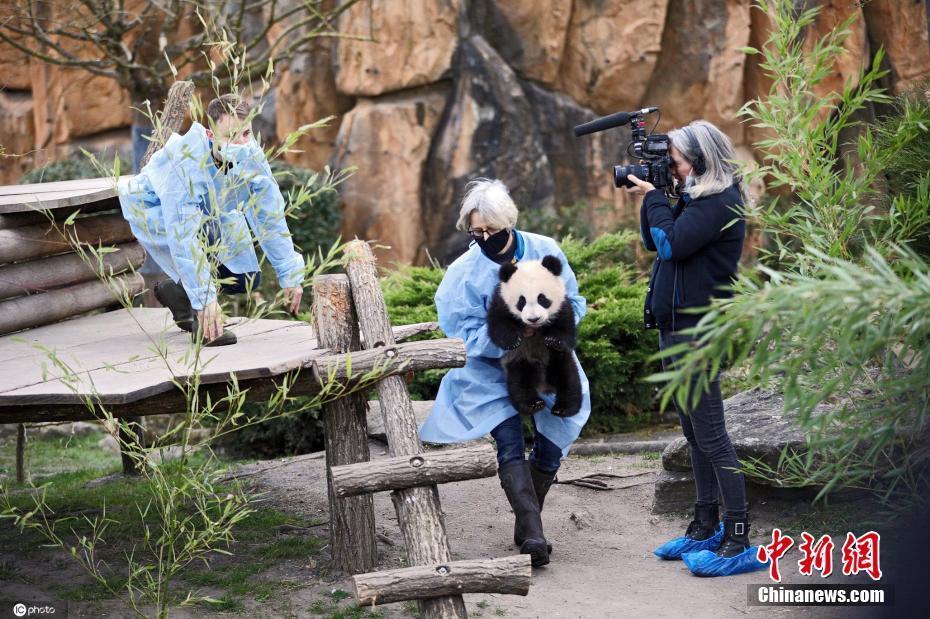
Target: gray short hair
[(492, 200), (719, 156)]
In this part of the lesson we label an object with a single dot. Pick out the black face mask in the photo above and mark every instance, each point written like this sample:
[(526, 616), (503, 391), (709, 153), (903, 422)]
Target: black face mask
[(494, 244)]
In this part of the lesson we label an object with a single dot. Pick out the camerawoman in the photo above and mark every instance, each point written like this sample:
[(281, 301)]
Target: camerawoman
[(692, 217)]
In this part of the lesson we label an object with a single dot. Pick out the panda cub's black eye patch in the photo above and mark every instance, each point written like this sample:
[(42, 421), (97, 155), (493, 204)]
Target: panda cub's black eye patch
[(521, 303), (542, 300)]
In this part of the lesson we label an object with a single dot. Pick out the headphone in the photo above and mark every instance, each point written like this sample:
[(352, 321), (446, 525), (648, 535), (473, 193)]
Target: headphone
[(697, 163)]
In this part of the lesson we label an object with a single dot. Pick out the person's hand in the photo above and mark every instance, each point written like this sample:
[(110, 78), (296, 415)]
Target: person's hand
[(292, 298), (528, 331), (211, 321), (639, 185)]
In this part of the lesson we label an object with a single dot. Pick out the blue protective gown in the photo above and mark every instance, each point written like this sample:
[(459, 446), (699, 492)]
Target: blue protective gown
[(473, 399), (181, 193)]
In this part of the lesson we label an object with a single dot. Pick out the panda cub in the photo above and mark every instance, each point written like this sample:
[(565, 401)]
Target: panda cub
[(532, 294)]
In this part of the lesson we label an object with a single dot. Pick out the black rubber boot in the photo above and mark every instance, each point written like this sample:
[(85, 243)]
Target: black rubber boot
[(704, 525), (541, 484), (171, 295), (225, 339), (735, 537), (517, 483)]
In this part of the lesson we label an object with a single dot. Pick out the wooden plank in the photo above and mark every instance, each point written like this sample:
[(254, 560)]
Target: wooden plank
[(76, 185), (129, 368), (50, 201)]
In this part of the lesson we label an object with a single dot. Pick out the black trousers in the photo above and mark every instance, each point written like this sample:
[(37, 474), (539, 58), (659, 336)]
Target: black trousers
[(713, 458)]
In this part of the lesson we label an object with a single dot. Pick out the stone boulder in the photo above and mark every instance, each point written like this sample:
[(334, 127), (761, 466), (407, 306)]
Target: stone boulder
[(699, 71), (15, 74), (17, 135), (902, 28), (421, 410), (305, 93), (389, 140), (757, 425), (410, 44), (611, 51), (582, 168), (529, 39), (489, 129)]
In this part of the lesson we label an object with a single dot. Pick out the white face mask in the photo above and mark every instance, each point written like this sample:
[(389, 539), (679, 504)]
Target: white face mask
[(236, 153), (689, 181)]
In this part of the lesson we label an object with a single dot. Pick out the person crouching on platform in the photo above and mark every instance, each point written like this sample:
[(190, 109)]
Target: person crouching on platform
[(188, 208), (473, 400)]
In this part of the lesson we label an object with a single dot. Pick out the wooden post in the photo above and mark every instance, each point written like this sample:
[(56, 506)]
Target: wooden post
[(508, 575), (128, 442), (351, 520), (418, 511), (20, 447), (172, 117)]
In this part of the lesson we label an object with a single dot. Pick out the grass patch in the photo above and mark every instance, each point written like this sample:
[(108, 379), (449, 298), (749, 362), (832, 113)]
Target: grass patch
[(47, 458), (64, 466)]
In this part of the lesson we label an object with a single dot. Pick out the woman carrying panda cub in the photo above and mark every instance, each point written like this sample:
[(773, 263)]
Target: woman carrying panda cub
[(513, 299)]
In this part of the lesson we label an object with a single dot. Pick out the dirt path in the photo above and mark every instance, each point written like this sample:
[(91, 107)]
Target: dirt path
[(602, 565)]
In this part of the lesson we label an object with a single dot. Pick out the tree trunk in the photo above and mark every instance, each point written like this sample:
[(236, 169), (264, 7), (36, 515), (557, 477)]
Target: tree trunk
[(351, 520)]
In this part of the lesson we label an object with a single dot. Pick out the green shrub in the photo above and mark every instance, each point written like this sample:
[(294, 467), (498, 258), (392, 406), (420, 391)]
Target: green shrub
[(72, 168), (613, 347), (275, 438), (315, 223), (408, 292)]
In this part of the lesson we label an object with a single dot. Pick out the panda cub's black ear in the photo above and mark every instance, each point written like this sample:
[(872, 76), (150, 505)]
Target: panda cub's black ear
[(507, 270), (553, 264)]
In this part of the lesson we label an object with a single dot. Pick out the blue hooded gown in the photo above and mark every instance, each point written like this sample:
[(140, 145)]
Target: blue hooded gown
[(473, 399)]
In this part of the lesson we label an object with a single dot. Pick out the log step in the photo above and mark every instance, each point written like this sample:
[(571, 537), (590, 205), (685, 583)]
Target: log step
[(408, 357), (509, 575), (425, 469)]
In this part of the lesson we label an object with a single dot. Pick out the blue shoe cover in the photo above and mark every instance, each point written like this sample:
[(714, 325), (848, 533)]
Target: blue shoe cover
[(675, 548), (706, 563)]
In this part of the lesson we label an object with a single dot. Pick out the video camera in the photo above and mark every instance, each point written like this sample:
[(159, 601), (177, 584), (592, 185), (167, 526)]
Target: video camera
[(649, 148)]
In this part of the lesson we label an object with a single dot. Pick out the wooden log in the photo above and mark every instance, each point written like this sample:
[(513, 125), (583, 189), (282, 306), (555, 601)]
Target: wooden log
[(418, 511), (434, 467), (45, 274), (508, 575), (55, 305), (28, 242), (351, 520), (409, 357), (20, 452), (171, 117), (405, 332), (30, 218)]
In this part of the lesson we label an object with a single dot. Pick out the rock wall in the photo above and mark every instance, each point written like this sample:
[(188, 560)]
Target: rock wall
[(428, 94)]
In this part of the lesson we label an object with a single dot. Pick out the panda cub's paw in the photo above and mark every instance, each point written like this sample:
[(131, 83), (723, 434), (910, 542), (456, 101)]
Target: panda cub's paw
[(555, 343), (563, 410), (532, 407)]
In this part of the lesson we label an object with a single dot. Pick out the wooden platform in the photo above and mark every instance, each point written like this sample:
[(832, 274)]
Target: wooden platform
[(115, 357), (25, 198)]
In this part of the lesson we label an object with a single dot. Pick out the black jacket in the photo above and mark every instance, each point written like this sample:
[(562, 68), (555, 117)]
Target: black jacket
[(698, 253)]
